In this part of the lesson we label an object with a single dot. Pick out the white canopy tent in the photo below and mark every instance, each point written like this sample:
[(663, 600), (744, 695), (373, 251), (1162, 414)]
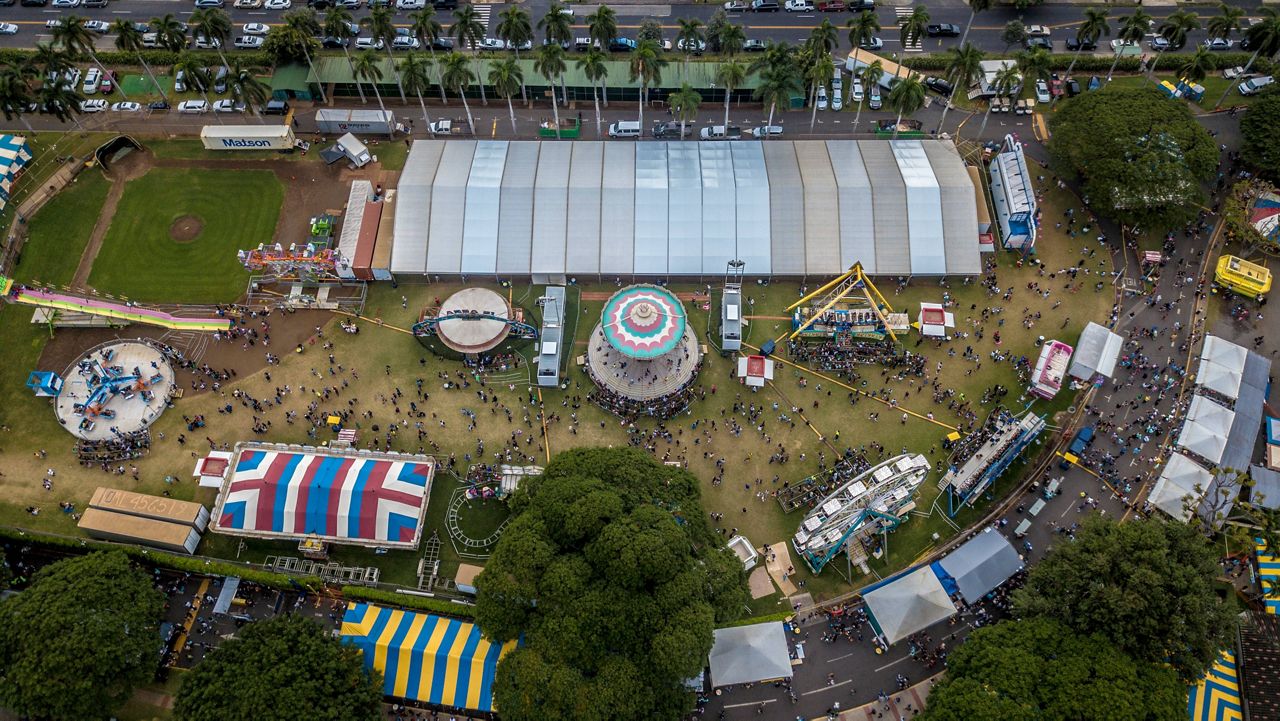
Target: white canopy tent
[(1224, 352), (909, 604), (1206, 429), (1096, 353), (1181, 477), (1220, 378), (747, 654)]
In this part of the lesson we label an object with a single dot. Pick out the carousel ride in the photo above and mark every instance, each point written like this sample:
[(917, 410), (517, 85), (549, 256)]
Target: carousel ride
[(474, 321)]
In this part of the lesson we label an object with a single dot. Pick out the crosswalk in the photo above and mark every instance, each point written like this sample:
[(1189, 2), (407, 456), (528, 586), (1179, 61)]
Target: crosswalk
[(917, 44)]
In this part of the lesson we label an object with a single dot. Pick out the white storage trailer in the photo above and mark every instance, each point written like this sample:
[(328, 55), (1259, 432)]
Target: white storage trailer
[(364, 122), (247, 137)]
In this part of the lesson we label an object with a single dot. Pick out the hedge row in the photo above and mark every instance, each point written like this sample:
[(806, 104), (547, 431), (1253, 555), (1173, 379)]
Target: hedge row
[(152, 557), (157, 59), (409, 600), (750, 620), (1098, 64)]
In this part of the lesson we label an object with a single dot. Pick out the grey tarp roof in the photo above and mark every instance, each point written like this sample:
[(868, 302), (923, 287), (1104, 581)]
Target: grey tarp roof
[(908, 604), (746, 654), (1096, 352), (1241, 440), (1181, 477), (1266, 487), (982, 563), (657, 208)]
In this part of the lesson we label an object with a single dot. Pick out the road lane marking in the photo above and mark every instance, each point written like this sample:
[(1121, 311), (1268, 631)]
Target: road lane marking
[(829, 687), (892, 663)]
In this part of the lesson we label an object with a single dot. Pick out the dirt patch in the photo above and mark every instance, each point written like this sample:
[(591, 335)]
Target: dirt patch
[(186, 228)]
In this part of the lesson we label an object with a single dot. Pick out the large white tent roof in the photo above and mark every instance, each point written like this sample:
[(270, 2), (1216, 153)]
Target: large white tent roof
[(790, 208), (1096, 352), (746, 654), (1219, 378), (908, 604), (1206, 429), (1181, 477), (1223, 352)]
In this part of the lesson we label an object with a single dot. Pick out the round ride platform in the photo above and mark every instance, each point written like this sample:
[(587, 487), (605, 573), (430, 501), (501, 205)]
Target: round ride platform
[(120, 386), (643, 322), (642, 380), (474, 335)]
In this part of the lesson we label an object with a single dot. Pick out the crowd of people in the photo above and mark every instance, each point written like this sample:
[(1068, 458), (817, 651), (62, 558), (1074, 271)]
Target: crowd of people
[(108, 451)]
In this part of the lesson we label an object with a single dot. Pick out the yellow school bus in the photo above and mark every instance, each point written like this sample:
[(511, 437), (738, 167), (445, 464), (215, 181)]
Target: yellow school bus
[(1239, 276)]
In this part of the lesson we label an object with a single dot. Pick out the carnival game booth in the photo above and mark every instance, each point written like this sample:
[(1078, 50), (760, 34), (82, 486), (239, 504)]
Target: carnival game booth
[(424, 657), (643, 357), (1051, 369), (319, 496)]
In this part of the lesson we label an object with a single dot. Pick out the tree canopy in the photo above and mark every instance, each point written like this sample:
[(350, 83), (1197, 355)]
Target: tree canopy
[(1146, 585), (1259, 129), (612, 574), (1041, 669), (1141, 157), (75, 643), (281, 669)]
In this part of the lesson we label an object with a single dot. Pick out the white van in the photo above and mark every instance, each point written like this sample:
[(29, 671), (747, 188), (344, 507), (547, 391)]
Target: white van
[(625, 129), (1254, 85), (92, 79)]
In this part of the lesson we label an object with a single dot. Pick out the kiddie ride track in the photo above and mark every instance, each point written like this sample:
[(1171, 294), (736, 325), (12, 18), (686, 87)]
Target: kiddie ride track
[(14, 293)]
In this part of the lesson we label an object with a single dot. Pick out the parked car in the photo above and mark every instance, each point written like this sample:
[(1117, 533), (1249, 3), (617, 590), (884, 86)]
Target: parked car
[(1074, 44), (832, 6), (66, 3), (691, 45), (126, 107), (8, 29), (485, 44), (872, 43), (765, 131), (622, 45), (411, 4), (1160, 42), (193, 107), (735, 6), (837, 98), (526, 45), (856, 94), (938, 85), (86, 3), (253, 42), (1042, 91), (92, 79), (277, 4), (764, 6), (671, 129), (97, 26), (799, 6), (228, 106), (942, 30), (200, 42), (370, 44), (255, 29), (209, 3), (753, 46), (248, 4), (1038, 31), (873, 97), (403, 43), (822, 97), (1073, 87), (1045, 43), (180, 81), (220, 79), (158, 105), (93, 106), (1255, 85), (1219, 43), (720, 132), (34, 3), (445, 44), (1119, 45)]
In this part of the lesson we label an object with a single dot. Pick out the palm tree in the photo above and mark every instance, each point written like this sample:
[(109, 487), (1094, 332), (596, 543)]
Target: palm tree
[(975, 7), (369, 68), (246, 87), (824, 36), (688, 38), (170, 34), (380, 25), (77, 40), (906, 97), (1132, 29), (61, 100), (1094, 26), (467, 28), (1226, 22), (129, 40), (303, 26), (548, 61), (1264, 36), (731, 74), (602, 27), (731, 38), (870, 76), (684, 103), (457, 76), (913, 26), (46, 60), (428, 31), (593, 67), (1196, 66), (1005, 80), (646, 66), (862, 28), (557, 25), (821, 68), (415, 72), (506, 78), (15, 95), (1174, 30), (337, 24), (197, 76), (214, 25), (963, 69), (779, 77), (515, 29)]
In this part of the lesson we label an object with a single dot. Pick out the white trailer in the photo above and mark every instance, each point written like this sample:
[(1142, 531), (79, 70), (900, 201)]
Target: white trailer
[(247, 137)]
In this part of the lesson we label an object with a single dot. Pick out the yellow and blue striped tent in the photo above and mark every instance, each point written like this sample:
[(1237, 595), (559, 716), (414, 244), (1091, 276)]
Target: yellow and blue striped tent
[(424, 657), (1269, 575), (1217, 696)]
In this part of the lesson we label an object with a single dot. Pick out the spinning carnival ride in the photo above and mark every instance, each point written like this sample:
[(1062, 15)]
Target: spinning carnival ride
[(846, 308), (474, 320)]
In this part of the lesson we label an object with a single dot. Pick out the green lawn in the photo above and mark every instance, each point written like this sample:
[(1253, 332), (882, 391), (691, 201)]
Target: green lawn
[(139, 260), (59, 232)]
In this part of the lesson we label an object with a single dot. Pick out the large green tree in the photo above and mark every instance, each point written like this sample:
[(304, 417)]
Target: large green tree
[(1259, 129), (1147, 585), (76, 642), (1040, 669), (279, 670), (1141, 158), (612, 574)]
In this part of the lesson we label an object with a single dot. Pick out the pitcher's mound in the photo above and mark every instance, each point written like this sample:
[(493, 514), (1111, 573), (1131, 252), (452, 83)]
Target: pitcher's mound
[(186, 229)]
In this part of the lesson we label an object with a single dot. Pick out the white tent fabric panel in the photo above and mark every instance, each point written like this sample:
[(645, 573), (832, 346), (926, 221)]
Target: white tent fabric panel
[(909, 604), (1219, 378), (1210, 413), (448, 201), (618, 216), (719, 206), (1180, 478), (786, 212), (821, 210), (889, 201), (853, 193), (959, 211), (515, 217), (1225, 352), (924, 208), (550, 209), (480, 219), (651, 208), (582, 253), (754, 203), (413, 213), (684, 207)]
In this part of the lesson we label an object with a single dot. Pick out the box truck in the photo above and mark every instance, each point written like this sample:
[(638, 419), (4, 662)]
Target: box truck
[(247, 137)]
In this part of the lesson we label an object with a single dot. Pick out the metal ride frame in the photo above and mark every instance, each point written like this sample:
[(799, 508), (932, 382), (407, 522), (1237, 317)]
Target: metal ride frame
[(963, 493), (856, 525), (839, 289), (431, 326)]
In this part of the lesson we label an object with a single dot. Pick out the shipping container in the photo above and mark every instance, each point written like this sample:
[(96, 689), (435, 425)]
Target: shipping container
[(247, 137), (156, 507), (122, 527), (381, 265), (368, 122)]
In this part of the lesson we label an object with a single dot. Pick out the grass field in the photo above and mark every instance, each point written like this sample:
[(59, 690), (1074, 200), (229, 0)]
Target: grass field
[(141, 261), (59, 233)]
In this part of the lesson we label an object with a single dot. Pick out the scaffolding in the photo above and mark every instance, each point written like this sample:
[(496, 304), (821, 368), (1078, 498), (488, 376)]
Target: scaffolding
[(1007, 441), (329, 572)]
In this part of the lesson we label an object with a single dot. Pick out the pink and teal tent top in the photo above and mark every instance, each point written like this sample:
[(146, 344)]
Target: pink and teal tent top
[(643, 321)]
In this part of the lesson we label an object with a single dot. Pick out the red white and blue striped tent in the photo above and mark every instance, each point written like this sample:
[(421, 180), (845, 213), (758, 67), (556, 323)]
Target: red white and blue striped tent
[(346, 497)]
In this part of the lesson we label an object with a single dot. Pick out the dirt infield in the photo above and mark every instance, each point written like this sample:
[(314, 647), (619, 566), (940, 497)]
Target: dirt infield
[(186, 228)]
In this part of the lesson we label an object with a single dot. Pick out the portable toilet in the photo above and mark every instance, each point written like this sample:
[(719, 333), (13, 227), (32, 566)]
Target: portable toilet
[(1190, 90), (1169, 89)]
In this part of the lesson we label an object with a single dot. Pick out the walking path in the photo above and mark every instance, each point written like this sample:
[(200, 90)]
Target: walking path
[(108, 211)]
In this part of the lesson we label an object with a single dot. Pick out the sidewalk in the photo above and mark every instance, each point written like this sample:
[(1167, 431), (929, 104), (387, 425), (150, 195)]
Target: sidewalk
[(901, 705)]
